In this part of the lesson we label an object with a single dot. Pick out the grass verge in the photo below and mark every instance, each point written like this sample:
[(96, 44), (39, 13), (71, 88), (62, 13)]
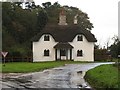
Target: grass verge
[(24, 67), (103, 77)]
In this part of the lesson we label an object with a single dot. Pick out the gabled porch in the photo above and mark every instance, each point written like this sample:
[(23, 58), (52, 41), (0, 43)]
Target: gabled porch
[(63, 51)]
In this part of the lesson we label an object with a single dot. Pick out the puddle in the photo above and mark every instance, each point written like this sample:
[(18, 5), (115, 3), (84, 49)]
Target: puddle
[(79, 72), (24, 79), (58, 69)]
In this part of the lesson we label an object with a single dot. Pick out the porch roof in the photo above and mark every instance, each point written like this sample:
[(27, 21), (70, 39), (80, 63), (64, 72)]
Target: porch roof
[(63, 46)]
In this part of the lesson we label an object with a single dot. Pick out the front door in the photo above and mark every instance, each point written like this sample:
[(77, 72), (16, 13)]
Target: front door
[(63, 54)]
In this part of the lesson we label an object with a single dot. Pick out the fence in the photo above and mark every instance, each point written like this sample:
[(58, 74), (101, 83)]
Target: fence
[(18, 59)]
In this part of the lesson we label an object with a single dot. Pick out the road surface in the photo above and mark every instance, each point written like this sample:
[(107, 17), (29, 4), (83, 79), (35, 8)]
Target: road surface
[(68, 76)]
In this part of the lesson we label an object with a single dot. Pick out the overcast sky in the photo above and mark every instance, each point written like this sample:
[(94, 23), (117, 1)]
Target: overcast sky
[(103, 14)]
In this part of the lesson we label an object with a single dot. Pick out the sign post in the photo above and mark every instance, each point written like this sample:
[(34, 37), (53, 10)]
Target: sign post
[(4, 55), (118, 58)]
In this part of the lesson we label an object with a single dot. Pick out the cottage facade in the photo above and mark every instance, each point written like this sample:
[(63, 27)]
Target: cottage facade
[(63, 42)]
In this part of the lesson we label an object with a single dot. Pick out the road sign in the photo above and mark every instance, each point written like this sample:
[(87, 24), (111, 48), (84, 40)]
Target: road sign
[(4, 54), (118, 56)]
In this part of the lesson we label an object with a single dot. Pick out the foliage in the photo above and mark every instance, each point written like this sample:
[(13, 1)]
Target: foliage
[(19, 26), (115, 48), (54, 10), (101, 54), (47, 4), (104, 76), (42, 19), (7, 40), (17, 51)]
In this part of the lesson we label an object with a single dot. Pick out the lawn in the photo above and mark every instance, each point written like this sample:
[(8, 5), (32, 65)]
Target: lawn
[(104, 76), (24, 67)]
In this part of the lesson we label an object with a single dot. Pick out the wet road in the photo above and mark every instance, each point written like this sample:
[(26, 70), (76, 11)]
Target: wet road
[(68, 76)]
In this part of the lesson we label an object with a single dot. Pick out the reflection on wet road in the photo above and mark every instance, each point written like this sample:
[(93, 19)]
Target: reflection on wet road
[(68, 76)]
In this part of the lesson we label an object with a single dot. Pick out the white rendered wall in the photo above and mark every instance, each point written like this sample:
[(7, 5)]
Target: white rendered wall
[(40, 46), (85, 46)]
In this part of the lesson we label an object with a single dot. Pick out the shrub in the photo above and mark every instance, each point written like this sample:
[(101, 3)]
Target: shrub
[(17, 53), (101, 54)]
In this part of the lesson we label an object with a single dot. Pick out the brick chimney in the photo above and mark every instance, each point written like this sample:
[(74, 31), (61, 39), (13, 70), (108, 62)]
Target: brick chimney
[(62, 18)]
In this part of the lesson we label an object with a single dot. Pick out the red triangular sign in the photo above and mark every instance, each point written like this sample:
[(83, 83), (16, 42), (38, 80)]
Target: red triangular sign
[(4, 54)]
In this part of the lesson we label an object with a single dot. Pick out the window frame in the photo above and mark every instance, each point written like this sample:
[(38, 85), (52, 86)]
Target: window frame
[(79, 53), (80, 38), (46, 52), (46, 38)]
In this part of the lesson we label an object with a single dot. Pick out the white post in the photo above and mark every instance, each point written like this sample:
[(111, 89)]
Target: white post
[(4, 62)]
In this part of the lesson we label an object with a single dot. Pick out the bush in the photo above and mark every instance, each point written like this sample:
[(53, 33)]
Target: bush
[(18, 53), (101, 54)]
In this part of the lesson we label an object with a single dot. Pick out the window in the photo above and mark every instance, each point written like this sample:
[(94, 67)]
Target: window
[(79, 53), (46, 52), (46, 38), (80, 38), (63, 52)]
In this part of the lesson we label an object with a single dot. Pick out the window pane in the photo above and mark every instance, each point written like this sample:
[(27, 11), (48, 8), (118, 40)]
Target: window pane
[(46, 38), (79, 53), (46, 52), (80, 38)]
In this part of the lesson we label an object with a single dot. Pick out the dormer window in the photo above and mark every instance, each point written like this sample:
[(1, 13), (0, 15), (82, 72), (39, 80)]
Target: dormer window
[(80, 38), (46, 52), (79, 53), (46, 38)]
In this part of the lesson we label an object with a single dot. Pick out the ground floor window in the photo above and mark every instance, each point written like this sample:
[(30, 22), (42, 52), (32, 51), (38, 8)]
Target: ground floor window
[(79, 53), (46, 52)]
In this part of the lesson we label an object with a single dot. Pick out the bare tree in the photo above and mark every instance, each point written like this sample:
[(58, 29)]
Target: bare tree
[(108, 43)]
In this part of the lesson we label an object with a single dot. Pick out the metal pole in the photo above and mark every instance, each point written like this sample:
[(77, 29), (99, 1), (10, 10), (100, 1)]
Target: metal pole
[(4, 62)]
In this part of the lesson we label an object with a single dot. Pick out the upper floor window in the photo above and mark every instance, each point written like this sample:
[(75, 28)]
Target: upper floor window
[(79, 53), (46, 38), (80, 38), (46, 52)]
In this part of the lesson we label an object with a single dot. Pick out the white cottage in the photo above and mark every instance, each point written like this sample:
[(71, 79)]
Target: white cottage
[(63, 42)]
